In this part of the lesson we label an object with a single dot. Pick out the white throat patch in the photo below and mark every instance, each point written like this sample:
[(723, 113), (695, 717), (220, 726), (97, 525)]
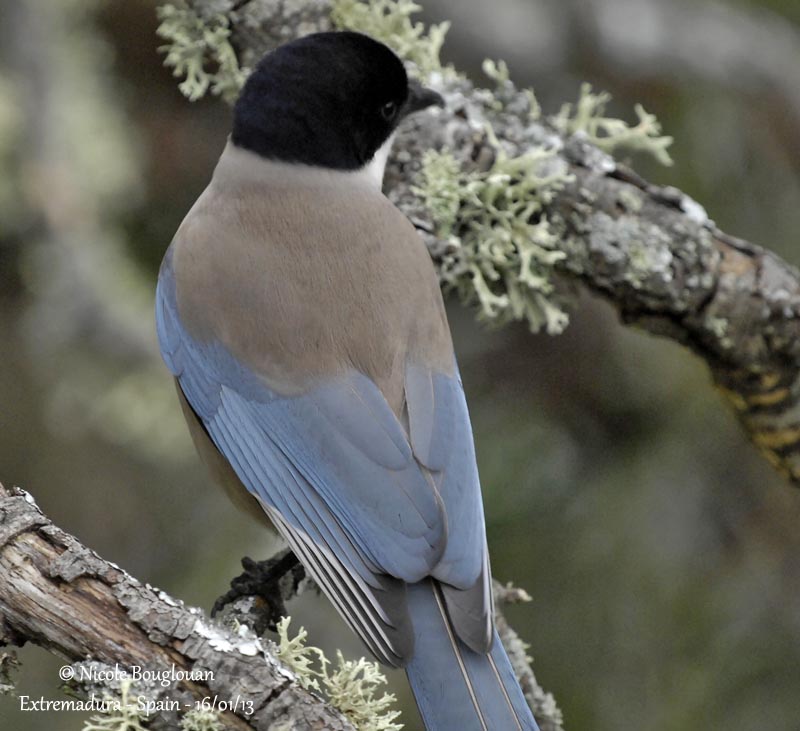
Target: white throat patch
[(375, 168)]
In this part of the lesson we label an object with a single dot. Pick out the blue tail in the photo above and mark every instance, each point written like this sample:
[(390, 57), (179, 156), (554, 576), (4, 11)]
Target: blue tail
[(457, 689)]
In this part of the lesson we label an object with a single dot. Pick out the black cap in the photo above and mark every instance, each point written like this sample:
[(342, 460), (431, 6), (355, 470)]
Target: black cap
[(327, 99)]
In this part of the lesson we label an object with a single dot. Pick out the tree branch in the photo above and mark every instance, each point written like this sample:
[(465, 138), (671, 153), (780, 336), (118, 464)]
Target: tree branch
[(545, 709), (650, 251), (59, 595), (734, 304)]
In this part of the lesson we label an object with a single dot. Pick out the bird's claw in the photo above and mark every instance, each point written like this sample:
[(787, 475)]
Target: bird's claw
[(272, 582)]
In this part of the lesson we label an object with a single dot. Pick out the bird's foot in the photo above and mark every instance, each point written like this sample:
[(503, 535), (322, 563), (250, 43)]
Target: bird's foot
[(272, 582)]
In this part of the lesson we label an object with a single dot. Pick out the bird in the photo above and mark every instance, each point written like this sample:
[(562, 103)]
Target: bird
[(301, 317)]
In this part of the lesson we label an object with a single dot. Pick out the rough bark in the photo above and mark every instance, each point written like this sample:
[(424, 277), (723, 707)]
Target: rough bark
[(58, 594), (651, 251)]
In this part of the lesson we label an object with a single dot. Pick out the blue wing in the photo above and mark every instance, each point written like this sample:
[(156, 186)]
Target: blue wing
[(364, 507), (441, 437)]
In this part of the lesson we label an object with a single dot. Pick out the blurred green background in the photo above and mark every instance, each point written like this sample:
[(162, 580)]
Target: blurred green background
[(662, 554)]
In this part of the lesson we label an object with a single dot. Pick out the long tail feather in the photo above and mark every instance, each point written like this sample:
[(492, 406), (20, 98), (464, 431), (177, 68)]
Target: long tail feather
[(457, 689)]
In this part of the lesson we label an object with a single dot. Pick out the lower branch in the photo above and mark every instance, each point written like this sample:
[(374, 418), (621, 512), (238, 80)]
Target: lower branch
[(59, 595)]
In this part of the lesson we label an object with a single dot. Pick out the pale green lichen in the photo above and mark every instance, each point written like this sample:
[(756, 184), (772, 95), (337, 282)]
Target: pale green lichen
[(587, 116), (201, 719), (352, 686), (630, 200), (720, 327), (296, 654), (390, 21), (503, 247), (498, 72), (442, 191), (199, 49), (642, 260), (124, 713)]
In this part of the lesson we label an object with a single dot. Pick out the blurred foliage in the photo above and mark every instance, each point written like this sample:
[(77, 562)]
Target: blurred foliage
[(662, 555)]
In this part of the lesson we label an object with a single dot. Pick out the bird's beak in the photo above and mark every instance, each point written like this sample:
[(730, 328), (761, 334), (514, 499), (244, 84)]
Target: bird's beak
[(420, 97)]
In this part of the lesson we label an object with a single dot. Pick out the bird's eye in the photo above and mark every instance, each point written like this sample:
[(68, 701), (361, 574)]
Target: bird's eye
[(388, 111)]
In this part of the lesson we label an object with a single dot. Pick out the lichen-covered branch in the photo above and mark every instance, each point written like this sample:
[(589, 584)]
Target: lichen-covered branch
[(668, 269), (545, 709), (58, 594), (513, 205)]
